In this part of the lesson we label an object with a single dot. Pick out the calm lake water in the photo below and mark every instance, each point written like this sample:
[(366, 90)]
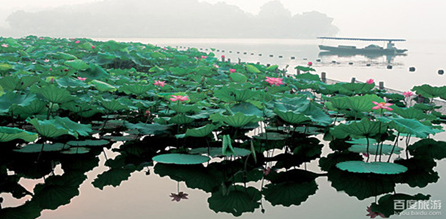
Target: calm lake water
[(147, 196)]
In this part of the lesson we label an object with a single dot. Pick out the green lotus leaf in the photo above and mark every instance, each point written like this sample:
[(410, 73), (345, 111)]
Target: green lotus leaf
[(361, 129), (413, 113), (66, 56), (71, 83), (237, 77), (81, 129), (179, 71), (184, 108), (135, 89), (235, 200), (200, 131), (53, 94), (5, 67), (252, 69), (428, 148), (94, 72), (429, 91), (304, 69), (237, 120), (410, 126), (9, 134), (102, 86), (227, 148), (11, 101), (374, 167), (14, 83), (292, 117), (375, 149), (88, 143), (37, 148), (50, 128), (149, 129), (181, 159), (272, 68), (76, 150), (181, 119), (358, 87), (113, 105), (157, 55), (328, 163), (386, 204), (247, 109), (217, 152), (289, 193), (77, 64), (232, 95)]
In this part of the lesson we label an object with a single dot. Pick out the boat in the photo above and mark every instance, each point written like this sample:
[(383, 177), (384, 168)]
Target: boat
[(390, 49)]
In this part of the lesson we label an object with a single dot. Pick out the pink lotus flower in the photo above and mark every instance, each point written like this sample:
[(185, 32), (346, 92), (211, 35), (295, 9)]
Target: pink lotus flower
[(93, 47), (266, 171), (147, 113), (232, 70), (370, 81), (46, 60), (223, 56), (374, 214), (159, 83), (179, 196), (51, 69), (41, 38), (179, 98), (310, 63), (77, 42), (81, 79), (203, 57), (382, 105), (408, 94), (274, 81), (5, 45)]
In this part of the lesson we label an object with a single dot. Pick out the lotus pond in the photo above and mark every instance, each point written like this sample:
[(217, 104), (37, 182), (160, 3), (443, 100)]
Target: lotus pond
[(241, 133)]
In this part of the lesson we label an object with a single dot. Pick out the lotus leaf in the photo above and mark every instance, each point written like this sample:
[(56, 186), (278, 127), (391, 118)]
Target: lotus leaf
[(9, 134), (76, 150), (37, 148), (11, 100), (102, 86), (199, 132), (77, 64), (53, 94), (87, 143), (232, 95), (429, 91), (181, 119), (181, 159), (409, 126), (237, 77), (237, 120), (289, 193), (361, 129), (374, 167), (149, 129)]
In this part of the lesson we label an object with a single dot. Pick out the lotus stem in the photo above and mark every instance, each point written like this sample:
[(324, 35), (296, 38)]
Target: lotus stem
[(393, 148)]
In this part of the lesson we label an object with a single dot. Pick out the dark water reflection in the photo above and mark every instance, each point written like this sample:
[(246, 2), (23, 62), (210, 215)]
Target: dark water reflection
[(276, 183)]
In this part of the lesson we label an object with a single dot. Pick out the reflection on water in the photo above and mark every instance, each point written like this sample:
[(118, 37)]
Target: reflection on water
[(236, 185), (389, 59)]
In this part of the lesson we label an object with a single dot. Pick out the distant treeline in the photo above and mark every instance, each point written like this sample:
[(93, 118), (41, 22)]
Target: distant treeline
[(169, 18)]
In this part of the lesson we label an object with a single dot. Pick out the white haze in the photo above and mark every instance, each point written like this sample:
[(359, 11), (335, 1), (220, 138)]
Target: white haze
[(410, 19)]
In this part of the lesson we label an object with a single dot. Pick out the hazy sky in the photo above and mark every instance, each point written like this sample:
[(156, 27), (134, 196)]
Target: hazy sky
[(411, 19)]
